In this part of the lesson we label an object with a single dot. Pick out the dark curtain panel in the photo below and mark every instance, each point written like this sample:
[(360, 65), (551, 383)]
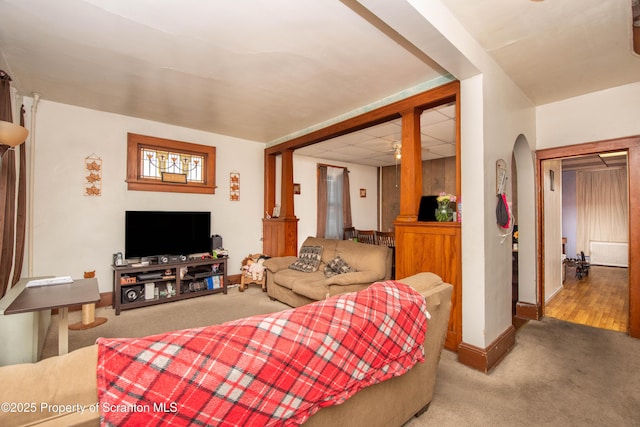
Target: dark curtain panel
[(7, 189), (322, 201), (21, 217), (5, 105), (346, 200)]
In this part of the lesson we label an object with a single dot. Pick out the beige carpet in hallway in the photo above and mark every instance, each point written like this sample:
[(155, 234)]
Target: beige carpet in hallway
[(558, 373)]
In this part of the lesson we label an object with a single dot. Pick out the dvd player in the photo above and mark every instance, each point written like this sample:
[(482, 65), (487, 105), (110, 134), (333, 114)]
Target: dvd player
[(149, 276)]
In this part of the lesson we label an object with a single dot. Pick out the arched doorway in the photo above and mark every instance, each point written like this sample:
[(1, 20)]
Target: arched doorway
[(524, 197)]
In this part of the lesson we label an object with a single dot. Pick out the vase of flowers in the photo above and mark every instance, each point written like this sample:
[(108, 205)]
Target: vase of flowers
[(444, 212)]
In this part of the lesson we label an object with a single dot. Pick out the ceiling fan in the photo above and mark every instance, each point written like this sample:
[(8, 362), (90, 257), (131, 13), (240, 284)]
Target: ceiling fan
[(397, 150)]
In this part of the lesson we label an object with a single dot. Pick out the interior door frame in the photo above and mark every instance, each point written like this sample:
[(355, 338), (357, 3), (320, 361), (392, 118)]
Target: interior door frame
[(632, 146)]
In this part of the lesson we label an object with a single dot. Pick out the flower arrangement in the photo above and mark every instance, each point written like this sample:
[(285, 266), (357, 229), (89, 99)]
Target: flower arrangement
[(445, 198), (444, 213)]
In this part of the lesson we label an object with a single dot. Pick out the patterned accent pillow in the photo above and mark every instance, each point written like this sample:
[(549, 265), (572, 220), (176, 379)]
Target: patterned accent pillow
[(337, 266), (308, 259)]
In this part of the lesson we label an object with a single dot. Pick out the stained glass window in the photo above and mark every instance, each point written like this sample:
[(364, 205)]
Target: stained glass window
[(171, 166), (156, 164)]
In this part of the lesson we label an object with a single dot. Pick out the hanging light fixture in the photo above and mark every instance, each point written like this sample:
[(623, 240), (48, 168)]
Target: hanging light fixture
[(12, 134), (397, 149)]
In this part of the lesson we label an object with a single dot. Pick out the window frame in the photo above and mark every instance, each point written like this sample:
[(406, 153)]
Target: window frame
[(136, 142)]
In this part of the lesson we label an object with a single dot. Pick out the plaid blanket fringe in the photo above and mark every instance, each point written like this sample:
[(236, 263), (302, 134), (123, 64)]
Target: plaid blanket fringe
[(268, 370)]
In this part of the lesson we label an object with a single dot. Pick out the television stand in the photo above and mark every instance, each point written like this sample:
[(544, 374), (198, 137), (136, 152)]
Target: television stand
[(142, 286)]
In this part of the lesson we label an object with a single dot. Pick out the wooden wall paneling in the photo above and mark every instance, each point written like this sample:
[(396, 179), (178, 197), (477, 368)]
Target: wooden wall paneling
[(434, 247), (439, 175), (427, 178), (390, 196), (450, 175)]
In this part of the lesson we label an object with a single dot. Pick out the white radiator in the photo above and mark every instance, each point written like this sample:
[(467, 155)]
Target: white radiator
[(615, 254)]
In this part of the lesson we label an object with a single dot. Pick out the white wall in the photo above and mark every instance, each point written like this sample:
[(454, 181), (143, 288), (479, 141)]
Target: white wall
[(527, 221), (495, 113), (552, 228), (364, 211), (74, 233), (508, 114), (597, 116)]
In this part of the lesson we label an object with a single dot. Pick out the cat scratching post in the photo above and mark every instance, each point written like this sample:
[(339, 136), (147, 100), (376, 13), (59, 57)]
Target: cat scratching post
[(89, 319)]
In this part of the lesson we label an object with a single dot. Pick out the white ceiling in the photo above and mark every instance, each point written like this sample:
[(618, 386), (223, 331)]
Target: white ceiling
[(595, 162), (375, 146), (266, 70)]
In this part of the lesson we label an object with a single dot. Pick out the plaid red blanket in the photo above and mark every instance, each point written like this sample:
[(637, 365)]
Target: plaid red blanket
[(267, 370)]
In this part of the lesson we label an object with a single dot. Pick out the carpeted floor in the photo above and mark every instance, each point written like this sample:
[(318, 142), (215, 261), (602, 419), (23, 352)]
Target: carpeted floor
[(558, 373), (189, 313)]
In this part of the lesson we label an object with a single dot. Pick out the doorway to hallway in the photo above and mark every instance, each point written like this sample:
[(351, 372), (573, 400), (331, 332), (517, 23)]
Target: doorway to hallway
[(547, 250)]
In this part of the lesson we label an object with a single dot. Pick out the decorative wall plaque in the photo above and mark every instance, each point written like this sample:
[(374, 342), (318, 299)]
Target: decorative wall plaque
[(234, 186), (93, 176)]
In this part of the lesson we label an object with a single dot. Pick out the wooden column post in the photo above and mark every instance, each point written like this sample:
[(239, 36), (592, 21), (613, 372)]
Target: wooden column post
[(280, 235), (410, 166), (269, 183), (286, 191)]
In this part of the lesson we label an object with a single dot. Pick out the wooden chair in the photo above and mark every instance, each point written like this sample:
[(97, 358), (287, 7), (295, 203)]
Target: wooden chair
[(386, 238), (582, 266), (246, 278), (366, 236), (350, 233)]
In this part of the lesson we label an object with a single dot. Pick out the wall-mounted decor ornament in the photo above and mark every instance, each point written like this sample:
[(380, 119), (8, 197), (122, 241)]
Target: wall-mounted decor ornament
[(234, 186), (93, 175)]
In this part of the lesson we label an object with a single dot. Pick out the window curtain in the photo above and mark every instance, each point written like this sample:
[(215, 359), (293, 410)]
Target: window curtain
[(602, 211), (321, 220), (21, 216), (334, 205), (9, 233), (346, 202)]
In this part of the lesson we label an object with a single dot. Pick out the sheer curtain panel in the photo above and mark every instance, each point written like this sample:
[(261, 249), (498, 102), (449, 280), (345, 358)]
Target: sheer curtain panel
[(334, 204), (603, 211)]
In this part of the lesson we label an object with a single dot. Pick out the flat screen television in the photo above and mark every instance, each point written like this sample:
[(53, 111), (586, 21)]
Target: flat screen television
[(151, 233), (427, 210)]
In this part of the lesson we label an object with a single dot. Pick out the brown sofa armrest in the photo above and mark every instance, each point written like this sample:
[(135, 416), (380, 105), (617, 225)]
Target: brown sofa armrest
[(61, 380), (353, 278), (279, 263), (422, 282)]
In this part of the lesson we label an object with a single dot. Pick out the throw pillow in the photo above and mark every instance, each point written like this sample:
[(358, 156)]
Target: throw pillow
[(337, 266), (308, 259)]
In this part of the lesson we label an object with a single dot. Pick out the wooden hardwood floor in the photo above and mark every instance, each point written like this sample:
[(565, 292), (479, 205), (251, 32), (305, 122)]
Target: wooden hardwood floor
[(600, 299)]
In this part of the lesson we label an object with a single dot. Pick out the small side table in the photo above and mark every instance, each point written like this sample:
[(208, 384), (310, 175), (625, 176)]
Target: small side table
[(246, 279), (79, 292)]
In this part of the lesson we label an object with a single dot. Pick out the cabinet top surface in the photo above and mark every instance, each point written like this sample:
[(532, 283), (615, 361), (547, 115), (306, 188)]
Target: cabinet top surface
[(156, 266)]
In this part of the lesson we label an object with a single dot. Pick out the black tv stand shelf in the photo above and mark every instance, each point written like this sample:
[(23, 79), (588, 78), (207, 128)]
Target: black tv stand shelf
[(142, 286)]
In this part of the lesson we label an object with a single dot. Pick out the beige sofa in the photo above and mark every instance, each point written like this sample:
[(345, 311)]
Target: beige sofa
[(30, 389), (295, 288)]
